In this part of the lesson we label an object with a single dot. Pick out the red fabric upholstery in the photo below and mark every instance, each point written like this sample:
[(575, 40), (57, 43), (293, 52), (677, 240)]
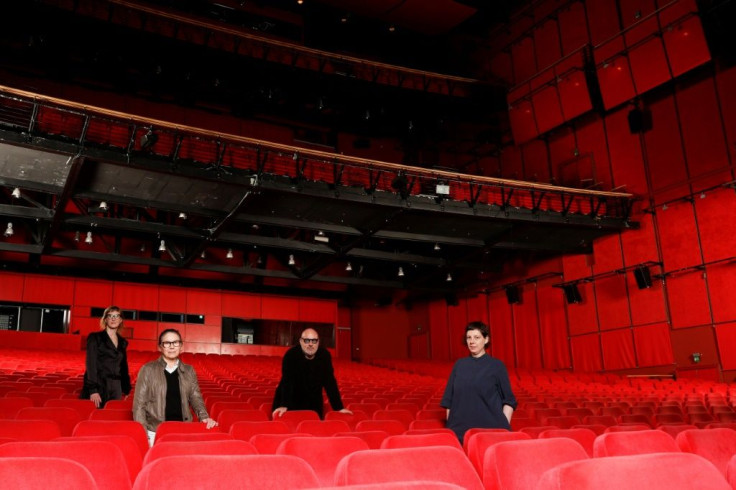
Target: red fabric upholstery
[(83, 407), (716, 445), (42, 473), (351, 419), (627, 427), (104, 460), (193, 437), (269, 443), (673, 430), (225, 447), (256, 472), (127, 446), (598, 429), (404, 416), (128, 428), (437, 463), (478, 444), (322, 453), (627, 443), (534, 432), (183, 427), (374, 438), (219, 406), (322, 427), (111, 414), (245, 430), (293, 417), (607, 420), (401, 485), (731, 471), (126, 404), (11, 405), (659, 471), (393, 427), (519, 465), (426, 424), (585, 437), (66, 418), (30, 430), (469, 433), (421, 440), (229, 416)]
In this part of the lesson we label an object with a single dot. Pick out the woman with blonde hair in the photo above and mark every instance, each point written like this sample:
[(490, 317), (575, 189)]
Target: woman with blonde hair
[(107, 377)]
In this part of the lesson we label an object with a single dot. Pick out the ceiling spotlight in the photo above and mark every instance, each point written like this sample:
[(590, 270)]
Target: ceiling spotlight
[(437, 247), (321, 237), (391, 28), (702, 195), (16, 193), (182, 215), (449, 277), (349, 267), (9, 230), (88, 240), (143, 247), (103, 205), (76, 236), (203, 255), (162, 246), (229, 253), (291, 259), (401, 272)]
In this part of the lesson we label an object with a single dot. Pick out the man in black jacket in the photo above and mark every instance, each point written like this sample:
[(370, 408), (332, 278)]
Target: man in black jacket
[(305, 371)]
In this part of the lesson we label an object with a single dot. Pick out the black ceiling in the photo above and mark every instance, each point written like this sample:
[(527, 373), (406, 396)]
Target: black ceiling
[(378, 223)]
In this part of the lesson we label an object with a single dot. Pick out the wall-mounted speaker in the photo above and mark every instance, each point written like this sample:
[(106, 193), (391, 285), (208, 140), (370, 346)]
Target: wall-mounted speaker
[(643, 277), (640, 120), (512, 295), (572, 294)]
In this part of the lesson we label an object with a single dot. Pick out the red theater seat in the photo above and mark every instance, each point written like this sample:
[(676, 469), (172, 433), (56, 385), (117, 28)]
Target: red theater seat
[(293, 417), (374, 438), (269, 443), (716, 445), (322, 453), (427, 424), (393, 427), (479, 443), (193, 437), (30, 430), (673, 430), (660, 471), (228, 417), (245, 430), (518, 465), (67, 418), (585, 437), (111, 414), (351, 419), (11, 405), (421, 440), (128, 428), (403, 416), (61, 474), (218, 407), (323, 428), (127, 446), (628, 443), (126, 404), (104, 460), (83, 407), (438, 463), (255, 472), (182, 427), (223, 447)]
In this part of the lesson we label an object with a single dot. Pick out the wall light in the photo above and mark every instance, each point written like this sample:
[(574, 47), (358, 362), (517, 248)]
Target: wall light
[(229, 253), (401, 272), (9, 230), (88, 240), (291, 260), (103, 205), (183, 215), (162, 246), (203, 255), (16, 193), (76, 236), (449, 277), (437, 247), (349, 267)]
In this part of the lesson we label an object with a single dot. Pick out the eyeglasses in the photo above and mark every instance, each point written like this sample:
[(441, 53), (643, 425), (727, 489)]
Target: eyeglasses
[(310, 341), (113, 315), (173, 343)]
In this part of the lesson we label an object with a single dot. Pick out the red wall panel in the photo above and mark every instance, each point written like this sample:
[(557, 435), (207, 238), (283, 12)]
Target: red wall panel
[(647, 305), (439, 333), (702, 130), (145, 330), (536, 164), (477, 308), (11, 287), (612, 302), (721, 281), (614, 73), (688, 300), (685, 341), (279, 308), (521, 117), (172, 299), (653, 345), (457, 321), (135, 296), (511, 166), (46, 289), (572, 87), (242, 305), (522, 57), (576, 266), (204, 302), (582, 317), (343, 344), (546, 101), (211, 334), (665, 156), (92, 293), (573, 27), (640, 245), (716, 224), (632, 11), (315, 310), (553, 328), (602, 20), (586, 353), (591, 140), (526, 328), (725, 81), (547, 43), (726, 337), (683, 37), (607, 254), (626, 155), (678, 236), (646, 56), (502, 332), (618, 349)]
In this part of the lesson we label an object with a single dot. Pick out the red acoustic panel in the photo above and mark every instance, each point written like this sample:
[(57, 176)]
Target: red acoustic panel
[(526, 328), (618, 350), (726, 80), (683, 36), (647, 305), (547, 43), (726, 338), (172, 299), (573, 27), (721, 280), (241, 305), (666, 160), (716, 225), (646, 55), (572, 87), (439, 335), (625, 151), (582, 317), (576, 266), (523, 60), (536, 161), (614, 78), (135, 296), (586, 353), (92, 293), (546, 101), (202, 333), (591, 140), (688, 300), (612, 302), (523, 122), (279, 308), (603, 20), (678, 236), (653, 345), (143, 330), (315, 310), (47, 289), (204, 302), (553, 328), (502, 331), (457, 321), (632, 11), (640, 245), (607, 254)]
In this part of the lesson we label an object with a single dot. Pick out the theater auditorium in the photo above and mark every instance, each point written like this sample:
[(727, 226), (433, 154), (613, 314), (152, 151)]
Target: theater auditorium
[(368, 186)]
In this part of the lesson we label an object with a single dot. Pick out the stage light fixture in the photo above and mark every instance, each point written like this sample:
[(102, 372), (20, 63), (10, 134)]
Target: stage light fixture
[(449, 277), (103, 206), (437, 247), (162, 246), (16, 193), (9, 230), (88, 240), (76, 236), (291, 260), (183, 215), (349, 267), (229, 254), (401, 272)]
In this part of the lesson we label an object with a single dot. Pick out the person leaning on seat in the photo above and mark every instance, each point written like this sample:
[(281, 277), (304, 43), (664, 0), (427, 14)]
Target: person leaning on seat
[(106, 376), (166, 387)]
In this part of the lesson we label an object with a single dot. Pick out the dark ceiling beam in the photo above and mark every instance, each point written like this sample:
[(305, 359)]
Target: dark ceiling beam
[(13, 211), (297, 224), (20, 248), (417, 237), (61, 202), (364, 253), (131, 225), (274, 242)]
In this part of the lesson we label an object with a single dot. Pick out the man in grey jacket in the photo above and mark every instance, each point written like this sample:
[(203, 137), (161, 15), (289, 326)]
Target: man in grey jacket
[(166, 387)]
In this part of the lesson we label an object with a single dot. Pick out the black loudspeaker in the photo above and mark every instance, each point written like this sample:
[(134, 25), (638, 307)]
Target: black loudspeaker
[(640, 120), (572, 295), (643, 277), (512, 295)]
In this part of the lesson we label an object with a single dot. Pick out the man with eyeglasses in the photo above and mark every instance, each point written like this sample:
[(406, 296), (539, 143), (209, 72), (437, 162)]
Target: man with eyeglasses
[(166, 387), (305, 371)]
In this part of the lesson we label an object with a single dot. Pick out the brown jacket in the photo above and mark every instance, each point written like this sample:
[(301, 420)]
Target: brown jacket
[(149, 402)]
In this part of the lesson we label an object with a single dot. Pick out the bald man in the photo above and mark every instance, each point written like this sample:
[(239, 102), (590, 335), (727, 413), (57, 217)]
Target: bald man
[(305, 371)]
